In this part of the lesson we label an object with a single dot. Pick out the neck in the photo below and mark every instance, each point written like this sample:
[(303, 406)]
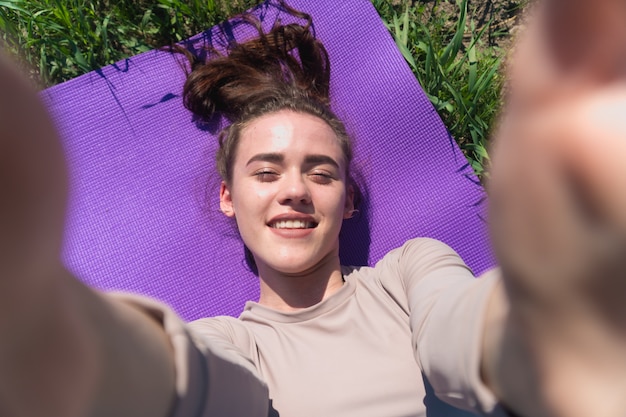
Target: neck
[(293, 292)]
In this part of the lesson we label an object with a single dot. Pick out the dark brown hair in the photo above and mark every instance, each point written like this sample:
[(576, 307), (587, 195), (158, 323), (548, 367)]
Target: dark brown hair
[(285, 68)]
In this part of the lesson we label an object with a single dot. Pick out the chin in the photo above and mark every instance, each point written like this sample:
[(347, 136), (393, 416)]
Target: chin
[(293, 268), (295, 259), (298, 266)]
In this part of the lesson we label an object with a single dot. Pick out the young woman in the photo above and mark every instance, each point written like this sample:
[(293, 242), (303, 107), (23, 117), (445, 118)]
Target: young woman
[(328, 339)]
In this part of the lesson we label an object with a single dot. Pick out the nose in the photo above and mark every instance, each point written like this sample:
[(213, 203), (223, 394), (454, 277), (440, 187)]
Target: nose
[(295, 190)]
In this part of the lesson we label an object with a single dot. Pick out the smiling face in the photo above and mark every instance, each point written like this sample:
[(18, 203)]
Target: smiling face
[(288, 192)]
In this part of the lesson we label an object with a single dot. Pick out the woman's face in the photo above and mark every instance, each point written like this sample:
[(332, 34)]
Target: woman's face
[(288, 192)]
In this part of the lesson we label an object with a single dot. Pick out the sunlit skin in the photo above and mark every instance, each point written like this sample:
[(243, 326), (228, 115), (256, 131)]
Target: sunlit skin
[(289, 195)]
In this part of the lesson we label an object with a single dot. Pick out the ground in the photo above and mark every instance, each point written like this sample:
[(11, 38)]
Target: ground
[(505, 17), (504, 14)]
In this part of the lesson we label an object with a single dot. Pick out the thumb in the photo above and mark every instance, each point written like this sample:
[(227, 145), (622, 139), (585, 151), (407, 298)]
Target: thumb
[(568, 46), (587, 36)]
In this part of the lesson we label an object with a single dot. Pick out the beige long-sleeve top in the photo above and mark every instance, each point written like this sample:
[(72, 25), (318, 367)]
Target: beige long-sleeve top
[(361, 352)]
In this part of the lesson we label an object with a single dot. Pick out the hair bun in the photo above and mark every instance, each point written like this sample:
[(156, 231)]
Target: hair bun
[(286, 61)]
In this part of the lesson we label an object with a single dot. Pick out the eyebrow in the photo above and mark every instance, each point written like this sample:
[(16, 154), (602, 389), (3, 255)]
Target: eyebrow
[(278, 158), (266, 157)]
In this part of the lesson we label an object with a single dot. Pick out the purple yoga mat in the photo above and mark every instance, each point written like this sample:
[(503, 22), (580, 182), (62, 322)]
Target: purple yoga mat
[(143, 213)]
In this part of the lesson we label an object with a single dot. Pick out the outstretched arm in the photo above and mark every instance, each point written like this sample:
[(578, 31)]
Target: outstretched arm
[(65, 350), (557, 341)]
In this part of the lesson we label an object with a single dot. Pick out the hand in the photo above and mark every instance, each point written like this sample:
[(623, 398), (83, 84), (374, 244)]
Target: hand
[(558, 209), (64, 349)]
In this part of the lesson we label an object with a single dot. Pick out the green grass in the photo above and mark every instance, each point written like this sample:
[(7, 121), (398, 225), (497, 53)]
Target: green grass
[(457, 65), (454, 60), (61, 39)]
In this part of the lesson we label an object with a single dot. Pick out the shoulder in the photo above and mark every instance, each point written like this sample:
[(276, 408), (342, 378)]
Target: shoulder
[(420, 262), (228, 329), (422, 253), (228, 332), (418, 255), (421, 244)]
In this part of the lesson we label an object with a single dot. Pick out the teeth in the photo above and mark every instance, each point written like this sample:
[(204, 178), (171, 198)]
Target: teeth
[(292, 224)]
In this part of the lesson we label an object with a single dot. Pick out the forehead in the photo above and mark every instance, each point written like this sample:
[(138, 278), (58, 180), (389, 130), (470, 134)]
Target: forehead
[(289, 132)]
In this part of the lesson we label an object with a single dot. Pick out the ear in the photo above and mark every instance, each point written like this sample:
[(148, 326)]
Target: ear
[(348, 211), (226, 201)]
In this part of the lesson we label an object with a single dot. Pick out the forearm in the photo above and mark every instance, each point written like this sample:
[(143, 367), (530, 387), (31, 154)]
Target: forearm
[(79, 353), (65, 350), (549, 362)]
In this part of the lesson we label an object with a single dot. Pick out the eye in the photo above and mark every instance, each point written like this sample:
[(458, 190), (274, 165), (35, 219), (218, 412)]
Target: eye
[(266, 175), (322, 177)]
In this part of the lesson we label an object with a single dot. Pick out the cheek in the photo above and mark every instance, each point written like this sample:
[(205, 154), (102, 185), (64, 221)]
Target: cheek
[(333, 202), (251, 198)]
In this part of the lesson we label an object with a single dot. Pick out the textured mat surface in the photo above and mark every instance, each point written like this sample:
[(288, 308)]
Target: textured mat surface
[(143, 209)]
